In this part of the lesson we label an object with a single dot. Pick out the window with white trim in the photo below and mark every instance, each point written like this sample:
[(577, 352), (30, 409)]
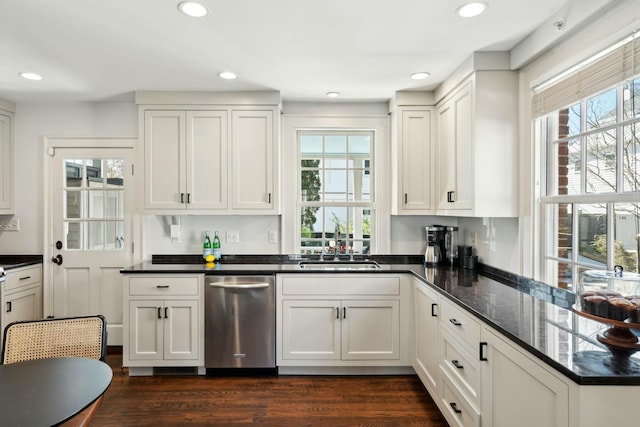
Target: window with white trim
[(336, 200), (588, 124)]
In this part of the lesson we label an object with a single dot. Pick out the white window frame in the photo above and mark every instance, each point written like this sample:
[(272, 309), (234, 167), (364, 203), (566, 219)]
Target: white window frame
[(545, 129), (292, 123)]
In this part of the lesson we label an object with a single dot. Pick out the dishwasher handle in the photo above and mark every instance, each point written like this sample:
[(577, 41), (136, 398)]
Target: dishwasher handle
[(239, 285)]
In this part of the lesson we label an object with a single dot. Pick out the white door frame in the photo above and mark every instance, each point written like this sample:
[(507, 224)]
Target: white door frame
[(50, 145)]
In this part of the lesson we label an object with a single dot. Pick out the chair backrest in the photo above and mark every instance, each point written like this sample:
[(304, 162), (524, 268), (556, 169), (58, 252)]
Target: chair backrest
[(65, 337)]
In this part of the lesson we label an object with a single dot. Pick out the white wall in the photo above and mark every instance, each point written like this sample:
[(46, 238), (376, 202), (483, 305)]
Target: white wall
[(35, 121)]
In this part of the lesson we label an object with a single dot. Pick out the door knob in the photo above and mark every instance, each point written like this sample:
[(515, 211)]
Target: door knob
[(57, 259)]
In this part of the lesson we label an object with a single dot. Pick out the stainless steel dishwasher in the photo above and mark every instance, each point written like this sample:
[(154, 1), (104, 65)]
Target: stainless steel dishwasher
[(240, 322)]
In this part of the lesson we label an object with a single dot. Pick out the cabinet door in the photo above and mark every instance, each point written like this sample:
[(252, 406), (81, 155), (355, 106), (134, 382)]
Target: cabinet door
[(6, 163), (516, 391), (311, 329), (455, 152), (370, 329), (426, 328), (23, 305), (464, 154), (181, 329), (416, 161), (207, 159), (253, 171), (145, 330), (165, 160)]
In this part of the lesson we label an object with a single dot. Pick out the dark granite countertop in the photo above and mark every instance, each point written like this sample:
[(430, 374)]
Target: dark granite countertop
[(9, 262), (533, 315)]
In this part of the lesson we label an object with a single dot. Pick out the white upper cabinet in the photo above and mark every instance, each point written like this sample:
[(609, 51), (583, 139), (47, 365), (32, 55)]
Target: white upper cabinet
[(6, 163), (477, 147), (413, 172), (253, 160), (205, 158)]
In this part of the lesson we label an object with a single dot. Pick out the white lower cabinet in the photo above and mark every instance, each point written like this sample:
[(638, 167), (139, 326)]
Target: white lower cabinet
[(342, 320), (427, 325), (164, 322), (21, 296), (482, 379), (518, 391), (341, 329)]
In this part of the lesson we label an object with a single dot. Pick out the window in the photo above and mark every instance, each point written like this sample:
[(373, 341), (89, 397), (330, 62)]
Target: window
[(336, 202), (591, 200), (94, 204)]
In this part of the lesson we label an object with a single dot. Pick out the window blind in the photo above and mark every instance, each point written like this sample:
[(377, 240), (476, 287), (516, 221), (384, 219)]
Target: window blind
[(595, 76)]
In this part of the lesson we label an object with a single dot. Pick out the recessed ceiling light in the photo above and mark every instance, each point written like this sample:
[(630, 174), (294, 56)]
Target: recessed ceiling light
[(30, 76), (193, 9), (227, 75), (470, 10), (333, 94), (419, 76)]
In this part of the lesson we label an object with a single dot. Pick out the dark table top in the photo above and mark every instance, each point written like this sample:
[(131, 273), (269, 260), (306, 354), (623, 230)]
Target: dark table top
[(46, 392)]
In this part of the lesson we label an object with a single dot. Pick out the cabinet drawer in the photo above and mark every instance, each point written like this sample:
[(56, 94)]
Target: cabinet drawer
[(340, 285), (460, 324), (22, 277), (461, 366), (457, 410), (163, 285)]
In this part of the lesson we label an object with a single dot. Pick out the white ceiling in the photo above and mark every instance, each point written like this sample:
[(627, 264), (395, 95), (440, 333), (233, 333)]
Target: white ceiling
[(90, 50)]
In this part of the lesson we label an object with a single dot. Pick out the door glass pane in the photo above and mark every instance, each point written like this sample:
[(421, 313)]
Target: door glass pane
[(114, 172), (94, 173), (73, 235), (74, 173), (601, 162), (115, 235), (95, 236), (627, 222), (73, 204), (95, 204), (601, 109), (631, 157), (114, 204), (592, 234)]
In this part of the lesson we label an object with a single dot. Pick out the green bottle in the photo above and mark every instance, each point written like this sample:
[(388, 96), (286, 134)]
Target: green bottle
[(216, 247), (206, 246)]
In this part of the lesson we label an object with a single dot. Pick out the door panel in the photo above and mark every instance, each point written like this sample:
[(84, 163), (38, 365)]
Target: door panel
[(90, 221)]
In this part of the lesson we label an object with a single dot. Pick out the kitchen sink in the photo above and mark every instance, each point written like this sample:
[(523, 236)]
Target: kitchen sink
[(339, 265)]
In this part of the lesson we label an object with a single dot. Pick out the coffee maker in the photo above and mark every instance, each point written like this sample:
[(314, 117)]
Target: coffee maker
[(435, 252)]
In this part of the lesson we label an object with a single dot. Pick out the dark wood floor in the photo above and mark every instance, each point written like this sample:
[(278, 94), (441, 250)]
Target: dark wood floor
[(267, 401)]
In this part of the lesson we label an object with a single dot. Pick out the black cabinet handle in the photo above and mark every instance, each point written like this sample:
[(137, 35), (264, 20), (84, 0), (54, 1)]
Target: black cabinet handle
[(483, 357), (269, 198), (162, 286), (344, 312), (181, 197), (159, 312), (25, 278), (8, 306), (455, 322), (166, 312), (450, 197), (457, 364), (405, 198), (337, 312), (433, 310), (188, 197), (455, 407)]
